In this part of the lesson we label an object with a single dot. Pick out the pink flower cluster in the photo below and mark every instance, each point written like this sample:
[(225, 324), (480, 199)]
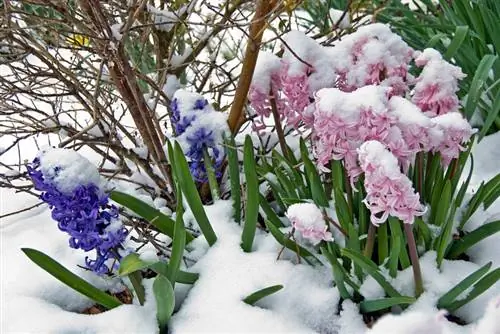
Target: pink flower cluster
[(343, 121), (389, 192), (373, 55), (436, 87), (308, 222)]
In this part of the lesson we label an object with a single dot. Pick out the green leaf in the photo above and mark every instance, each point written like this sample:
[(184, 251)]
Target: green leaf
[(258, 295), (269, 212), (314, 180), (234, 177), (371, 269), (136, 280), (394, 256), (480, 77), (383, 243), (449, 297), (132, 262), (442, 207), (165, 301), (368, 306), (342, 209), (460, 35), (190, 192), (338, 273), (461, 245), (73, 281), (178, 243), (484, 284), (252, 197), (396, 231), (286, 242), (162, 222)]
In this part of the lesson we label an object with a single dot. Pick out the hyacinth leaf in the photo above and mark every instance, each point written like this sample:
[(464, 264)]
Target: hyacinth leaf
[(354, 244), (162, 222), (368, 306), (338, 175), (455, 173), (460, 35), (258, 295), (313, 179), (286, 184), (252, 197), (490, 119), (394, 256), (363, 216), (133, 262), (179, 242), (55, 269), (480, 77), (342, 209), (396, 231), (461, 245), (442, 206), (294, 175), (424, 232), (136, 280), (383, 243), (484, 284), (463, 188), (165, 301), (192, 196), (445, 237), (210, 171), (269, 212), (433, 162), (449, 297), (291, 245), (371, 269), (234, 177), (487, 193), (338, 273)]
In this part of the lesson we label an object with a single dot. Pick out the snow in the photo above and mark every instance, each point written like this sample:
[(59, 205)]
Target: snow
[(335, 16), (67, 169), (33, 301)]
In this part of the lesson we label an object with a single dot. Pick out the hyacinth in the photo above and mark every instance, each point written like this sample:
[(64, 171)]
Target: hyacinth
[(373, 55), (389, 192), (308, 222), (344, 120), (454, 131), (70, 186), (436, 87), (198, 127)]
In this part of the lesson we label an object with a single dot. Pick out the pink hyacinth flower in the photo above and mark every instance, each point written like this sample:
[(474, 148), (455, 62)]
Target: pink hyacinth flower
[(308, 222), (389, 192), (455, 131)]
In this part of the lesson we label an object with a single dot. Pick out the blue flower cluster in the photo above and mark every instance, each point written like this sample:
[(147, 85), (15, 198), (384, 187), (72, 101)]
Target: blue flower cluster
[(200, 139), (84, 215)]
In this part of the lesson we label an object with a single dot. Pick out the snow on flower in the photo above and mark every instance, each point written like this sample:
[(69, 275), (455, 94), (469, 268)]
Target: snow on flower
[(307, 220), (71, 186), (455, 131), (389, 192), (372, 55), (436, 87), (198, 127)]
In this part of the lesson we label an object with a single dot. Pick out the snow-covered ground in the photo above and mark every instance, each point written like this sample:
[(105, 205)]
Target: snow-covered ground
[(34, 302)]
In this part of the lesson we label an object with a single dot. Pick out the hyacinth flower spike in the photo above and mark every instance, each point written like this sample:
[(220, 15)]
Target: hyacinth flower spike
[(70, 185), (390, 193)]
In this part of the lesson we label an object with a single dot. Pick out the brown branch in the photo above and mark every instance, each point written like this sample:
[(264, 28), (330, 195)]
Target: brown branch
[(236, 116)]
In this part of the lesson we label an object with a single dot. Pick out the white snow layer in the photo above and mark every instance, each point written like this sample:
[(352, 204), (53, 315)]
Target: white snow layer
[(32, 301)]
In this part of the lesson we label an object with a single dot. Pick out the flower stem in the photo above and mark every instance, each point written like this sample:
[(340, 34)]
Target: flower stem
[(412, 246), (212, 180), (277, 125), (420, 174), (370, 241)]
